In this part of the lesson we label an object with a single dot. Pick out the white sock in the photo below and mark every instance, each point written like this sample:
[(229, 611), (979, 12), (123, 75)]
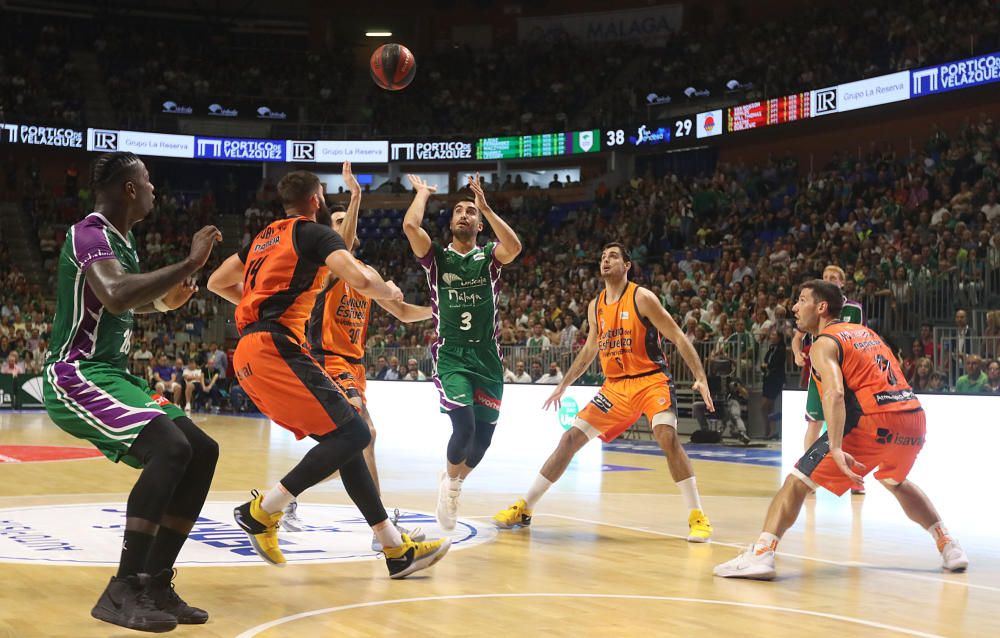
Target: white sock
[(766, 541), (276, 499), (538, 489), (388, 535), (940, 534), (454, 483), (689, 492)]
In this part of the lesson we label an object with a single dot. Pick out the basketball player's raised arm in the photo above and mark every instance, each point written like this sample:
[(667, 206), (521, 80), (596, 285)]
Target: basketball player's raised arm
[(582, 361), (825, 359), (405, 312), (227, 280), (420, 241), (120, 291), (800, 358), (649, 307), (510, 245), (342, 264), (349, 227)]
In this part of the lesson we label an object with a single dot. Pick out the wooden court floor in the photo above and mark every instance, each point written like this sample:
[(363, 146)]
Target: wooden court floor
[(605, 555)]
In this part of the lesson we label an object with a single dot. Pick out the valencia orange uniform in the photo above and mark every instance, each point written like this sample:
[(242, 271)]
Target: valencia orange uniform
[(338, 329), (885, 425), (638, 380), (283, 272)]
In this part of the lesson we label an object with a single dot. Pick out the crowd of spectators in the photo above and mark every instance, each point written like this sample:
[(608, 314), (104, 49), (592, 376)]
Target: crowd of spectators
[(724, 252), (561, 84)]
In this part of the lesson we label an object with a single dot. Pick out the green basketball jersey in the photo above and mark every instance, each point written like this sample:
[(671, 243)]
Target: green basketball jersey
[(83, 328), (464, 292)]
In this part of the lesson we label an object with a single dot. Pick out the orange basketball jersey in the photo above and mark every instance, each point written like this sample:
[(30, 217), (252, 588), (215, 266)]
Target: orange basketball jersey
[(628, 344), (277, 285), (873, 381), (339, 322)]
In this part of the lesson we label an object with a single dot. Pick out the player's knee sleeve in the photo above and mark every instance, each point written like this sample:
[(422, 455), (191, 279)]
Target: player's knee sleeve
[(189, 497), (165, 454), (480, 443), (360, 486), (331, 452), (463, 427)]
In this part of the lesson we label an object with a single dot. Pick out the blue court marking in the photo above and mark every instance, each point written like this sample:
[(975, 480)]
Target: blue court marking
[(623, 468), (704, 452)]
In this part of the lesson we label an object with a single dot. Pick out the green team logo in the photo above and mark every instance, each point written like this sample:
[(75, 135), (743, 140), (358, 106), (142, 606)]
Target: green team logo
[(567, 412)]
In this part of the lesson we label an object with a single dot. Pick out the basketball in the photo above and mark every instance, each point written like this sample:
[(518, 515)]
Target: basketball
[(393, 66)]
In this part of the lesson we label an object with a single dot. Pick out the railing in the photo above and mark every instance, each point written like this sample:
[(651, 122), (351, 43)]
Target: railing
[(951, 351), (747, 358)]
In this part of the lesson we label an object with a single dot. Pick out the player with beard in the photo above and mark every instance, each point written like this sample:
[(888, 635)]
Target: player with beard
[(274, 280), (873, 420), (464, 281), (338, 329), (626, 322)]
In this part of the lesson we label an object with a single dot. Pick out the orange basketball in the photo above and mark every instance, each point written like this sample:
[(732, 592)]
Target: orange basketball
[(393, 66)]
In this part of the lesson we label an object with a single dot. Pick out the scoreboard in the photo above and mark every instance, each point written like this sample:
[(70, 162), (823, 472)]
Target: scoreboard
[(541, 145), (779, 110)]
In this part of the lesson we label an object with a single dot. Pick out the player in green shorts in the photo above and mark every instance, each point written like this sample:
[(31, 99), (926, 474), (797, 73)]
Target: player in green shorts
[(89, 394), (464, 281), (851, 313)]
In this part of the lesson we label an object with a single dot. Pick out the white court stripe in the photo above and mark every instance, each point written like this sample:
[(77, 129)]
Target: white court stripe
[(875, 568), (253, 631)]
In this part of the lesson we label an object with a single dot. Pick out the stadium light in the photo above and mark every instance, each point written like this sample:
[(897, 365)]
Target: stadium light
[(378, 34)]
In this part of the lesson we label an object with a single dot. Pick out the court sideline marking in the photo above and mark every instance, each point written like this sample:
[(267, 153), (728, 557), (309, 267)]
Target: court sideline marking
[(253, 631), (875, 568)]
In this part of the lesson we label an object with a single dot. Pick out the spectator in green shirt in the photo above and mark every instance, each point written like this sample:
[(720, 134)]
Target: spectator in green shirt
[(974, 380)]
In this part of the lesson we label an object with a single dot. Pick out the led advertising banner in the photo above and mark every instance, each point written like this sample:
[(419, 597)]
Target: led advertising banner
[(232, 148), (335, 152), (429, 151), (41, 135), (884, 89), (140, 143), (952, 76)]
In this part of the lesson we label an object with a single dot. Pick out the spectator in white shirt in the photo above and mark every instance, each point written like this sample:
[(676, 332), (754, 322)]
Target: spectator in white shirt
[(991, 208), (518, 375), (553, 376), (413, 372)]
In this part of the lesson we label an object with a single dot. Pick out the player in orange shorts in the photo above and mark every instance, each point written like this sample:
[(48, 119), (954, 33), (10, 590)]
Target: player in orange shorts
[(337, 331), (274, 280), (626, 321), (873, 419)]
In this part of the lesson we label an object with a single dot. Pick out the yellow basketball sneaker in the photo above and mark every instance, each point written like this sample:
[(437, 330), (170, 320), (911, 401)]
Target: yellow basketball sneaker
[(262, 528), (699, 529), (517, 515), (412, 556)]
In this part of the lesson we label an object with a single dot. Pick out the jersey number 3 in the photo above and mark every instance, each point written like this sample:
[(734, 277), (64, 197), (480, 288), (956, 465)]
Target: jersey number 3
[(466, 321)]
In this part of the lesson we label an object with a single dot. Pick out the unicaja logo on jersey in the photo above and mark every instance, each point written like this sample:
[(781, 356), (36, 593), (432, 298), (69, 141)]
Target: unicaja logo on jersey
[(451, 278)]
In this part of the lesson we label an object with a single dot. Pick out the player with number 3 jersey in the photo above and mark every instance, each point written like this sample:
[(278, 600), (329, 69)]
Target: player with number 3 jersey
[(464, 281)]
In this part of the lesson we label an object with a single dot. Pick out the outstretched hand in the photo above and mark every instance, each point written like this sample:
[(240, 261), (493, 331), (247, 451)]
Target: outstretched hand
[(555, 399), (350, 180), (420, 185), (477, 189)]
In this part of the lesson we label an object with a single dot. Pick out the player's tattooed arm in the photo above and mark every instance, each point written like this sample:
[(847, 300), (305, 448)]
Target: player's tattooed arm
[(510, 245), (420, 241)]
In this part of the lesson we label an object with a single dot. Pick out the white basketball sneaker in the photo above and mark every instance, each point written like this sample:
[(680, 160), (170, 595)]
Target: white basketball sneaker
[(756, 563), (447, 506), (291, 522), (954, 558)]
